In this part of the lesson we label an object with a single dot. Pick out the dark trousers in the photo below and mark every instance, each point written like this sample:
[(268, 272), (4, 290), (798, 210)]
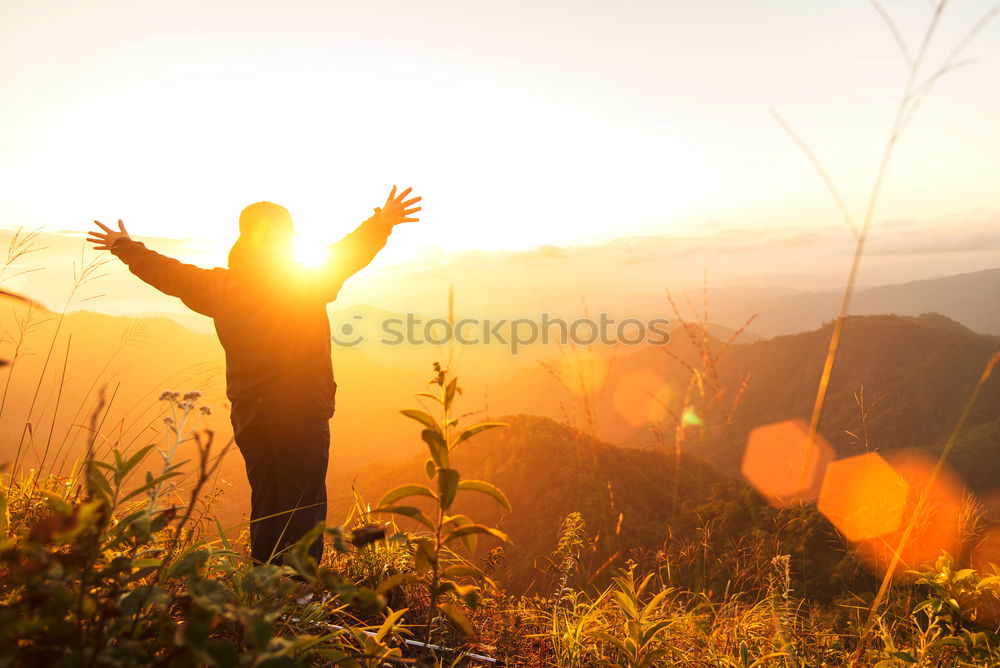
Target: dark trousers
[(286, 466)]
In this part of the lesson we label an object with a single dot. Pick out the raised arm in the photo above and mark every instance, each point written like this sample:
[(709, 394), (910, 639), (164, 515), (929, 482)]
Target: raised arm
[(355, 251), (198, 288)]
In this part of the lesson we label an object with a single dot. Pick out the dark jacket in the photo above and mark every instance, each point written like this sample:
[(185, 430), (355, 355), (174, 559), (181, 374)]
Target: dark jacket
[(273, 327)]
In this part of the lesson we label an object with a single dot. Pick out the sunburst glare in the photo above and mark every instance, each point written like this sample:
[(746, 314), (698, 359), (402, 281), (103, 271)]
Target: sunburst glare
[(310, 251)]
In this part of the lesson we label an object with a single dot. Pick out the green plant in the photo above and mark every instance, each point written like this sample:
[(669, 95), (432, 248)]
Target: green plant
[(643, 622), (97, 571), (957, 616), (435, 563), (570, 625)]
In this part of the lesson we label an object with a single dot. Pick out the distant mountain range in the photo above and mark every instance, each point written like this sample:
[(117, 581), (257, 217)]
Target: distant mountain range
[(972, 299), (913, 374), (916, 373), (923, 365)]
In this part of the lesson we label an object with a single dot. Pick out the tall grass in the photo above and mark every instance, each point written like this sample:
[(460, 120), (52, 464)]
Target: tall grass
[(112, 566), (105, 566), (918, 86), (83, 274)]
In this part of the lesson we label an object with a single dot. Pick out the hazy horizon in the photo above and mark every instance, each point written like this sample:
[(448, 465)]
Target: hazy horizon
[(627, 135)]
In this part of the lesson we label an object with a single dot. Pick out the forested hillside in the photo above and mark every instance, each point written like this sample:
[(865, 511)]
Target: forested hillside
[(909, 376), (674, 512)]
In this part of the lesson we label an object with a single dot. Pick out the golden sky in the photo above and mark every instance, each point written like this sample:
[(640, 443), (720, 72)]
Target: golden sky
[(522, 124)]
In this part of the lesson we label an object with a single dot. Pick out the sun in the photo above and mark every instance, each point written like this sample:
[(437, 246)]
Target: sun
[(311, 252)]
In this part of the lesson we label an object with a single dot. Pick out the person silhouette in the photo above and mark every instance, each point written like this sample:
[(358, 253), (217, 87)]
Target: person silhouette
[(270, 316)]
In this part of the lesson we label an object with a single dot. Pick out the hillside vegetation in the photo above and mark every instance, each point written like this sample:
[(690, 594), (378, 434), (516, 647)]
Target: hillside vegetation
[(105, 568), (646, 548)]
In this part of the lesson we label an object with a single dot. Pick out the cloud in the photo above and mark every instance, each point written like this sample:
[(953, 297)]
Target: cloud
[(954, 234), (799, 257), (942, 236), (630, 251)]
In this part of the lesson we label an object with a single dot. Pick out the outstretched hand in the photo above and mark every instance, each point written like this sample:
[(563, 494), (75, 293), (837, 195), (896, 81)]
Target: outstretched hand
[(106, 239), (397, 209)]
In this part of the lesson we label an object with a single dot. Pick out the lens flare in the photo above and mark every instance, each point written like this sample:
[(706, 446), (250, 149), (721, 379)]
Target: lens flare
[(583, 372), (310, 252), (875, 502), (641, 397), (782, 465), (935, 525), (863, 496)]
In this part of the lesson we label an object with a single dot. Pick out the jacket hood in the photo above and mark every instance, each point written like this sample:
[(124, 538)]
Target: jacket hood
[(265, 240)]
